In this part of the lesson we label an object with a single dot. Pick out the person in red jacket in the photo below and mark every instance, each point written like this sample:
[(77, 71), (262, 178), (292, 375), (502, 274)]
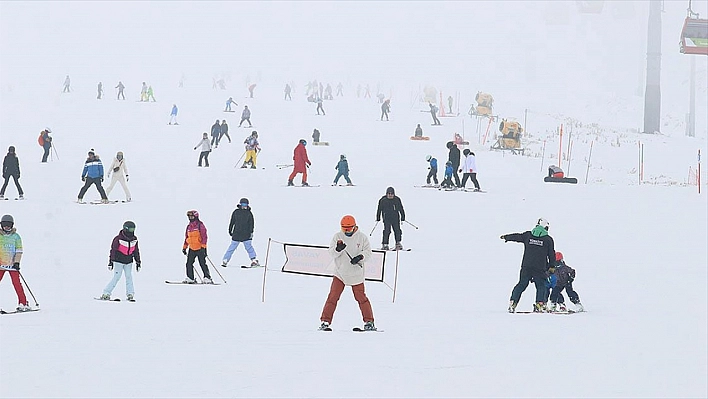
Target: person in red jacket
[(301, 163)]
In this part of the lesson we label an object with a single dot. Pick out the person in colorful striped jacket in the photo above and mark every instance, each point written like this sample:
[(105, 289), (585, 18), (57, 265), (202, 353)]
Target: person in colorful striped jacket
[(10, 256), (195, 239), (124, 249)]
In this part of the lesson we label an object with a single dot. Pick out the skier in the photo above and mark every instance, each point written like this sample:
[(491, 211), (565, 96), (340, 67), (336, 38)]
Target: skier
[(319, 106), (10, 256), (120, 88), (539, 255), (120, 175), (350, 249), (449, 103), (11, 168), (328, 92), (288, 90), (302, 162), (433, 170), (342, 170), (454, 158), (433, 113), (339, 90), (124, 249), (250, 90), (245, 116), (92, 174), (252, 149), (367, 91), (215, 133), (150, 94), (195, 239), (447, 176), (173, 115), (385, 108), (143, 92), (315, 136), (67, 84), (100, 91), (228, 104), (418, 131), (224, 131), (565, 275), (241, 231), (391, 208), (205, 150), (470, 169), (46, 142)]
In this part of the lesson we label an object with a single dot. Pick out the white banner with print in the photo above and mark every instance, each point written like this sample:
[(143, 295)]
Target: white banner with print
[(314, 260)]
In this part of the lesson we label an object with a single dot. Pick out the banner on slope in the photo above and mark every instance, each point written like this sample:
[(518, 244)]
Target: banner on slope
[(315, 260)]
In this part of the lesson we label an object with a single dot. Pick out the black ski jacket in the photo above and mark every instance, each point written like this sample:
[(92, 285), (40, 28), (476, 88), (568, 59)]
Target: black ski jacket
[(241, 225), (539, 252), (10, 166), (454, 156), (390, 209)]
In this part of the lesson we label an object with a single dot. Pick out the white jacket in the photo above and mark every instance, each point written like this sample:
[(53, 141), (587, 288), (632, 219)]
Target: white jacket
[(122, 168), (206, 145), (470, 165), (357, 244)]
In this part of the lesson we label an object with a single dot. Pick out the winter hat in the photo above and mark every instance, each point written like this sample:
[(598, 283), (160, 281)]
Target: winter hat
[(119, 154), (243, 202), (129, 226), (449, 144), (559, 256), (91, 152), (466, 151), (11, 149), (390, 190)]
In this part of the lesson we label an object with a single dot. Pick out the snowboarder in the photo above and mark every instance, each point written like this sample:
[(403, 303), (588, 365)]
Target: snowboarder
[(350, 249), (224, 131), (454, 158), (10, 256), (250, 90), (418, 131), (11, 168), (302, 162), (67, 84), (342, 170), (100, 91), (539, 255), (120, 88), (150, 94), (215, 134), (315, 136), (92, 174), (288, 90), (245, 116), (195, 239), (470, 169), (46, 142), (205, 150), (385, 109), (433, 170), (228, 104), (241, 231), (391, 208), (173, 115), (124, 250), (120, 175), (565, 275), (143, 92), (433, 113), (447, 176), (252, 149), (319, 106)]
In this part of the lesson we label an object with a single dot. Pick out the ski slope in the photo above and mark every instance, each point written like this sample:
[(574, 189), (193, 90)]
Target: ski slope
[(639, 251)]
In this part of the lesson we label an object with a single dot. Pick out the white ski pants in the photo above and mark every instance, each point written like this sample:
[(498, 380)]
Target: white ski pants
[(119, 177)]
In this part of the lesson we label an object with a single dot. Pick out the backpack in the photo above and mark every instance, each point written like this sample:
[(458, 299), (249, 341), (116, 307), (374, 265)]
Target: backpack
[(40, 140)]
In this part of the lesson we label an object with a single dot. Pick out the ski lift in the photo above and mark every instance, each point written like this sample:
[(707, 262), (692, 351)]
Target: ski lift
[(694, 35), (590, 7)]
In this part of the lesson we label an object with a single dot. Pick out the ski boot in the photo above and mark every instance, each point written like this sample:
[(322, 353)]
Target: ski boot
[(579, 307), (253, 166), (244, 166), (369, 326), (540, 307), (290, 183), (104, 200), (80, 201), (22, 197), (399, 246), (254, 263), (23, 307), (325, 326), (350, 184), (2, 197), (224, 263), (208, 280), (105, 297), (384, 247), (188, 281), (512, 306), (304, 184), (131, 297)]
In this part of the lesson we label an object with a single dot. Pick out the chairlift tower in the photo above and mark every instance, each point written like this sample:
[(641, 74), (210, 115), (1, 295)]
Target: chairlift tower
[(694, 41), (652, 94)]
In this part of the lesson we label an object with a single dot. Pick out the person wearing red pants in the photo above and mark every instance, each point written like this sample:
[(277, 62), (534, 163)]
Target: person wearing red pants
[(350, 249), (302, 162), (10, 256)]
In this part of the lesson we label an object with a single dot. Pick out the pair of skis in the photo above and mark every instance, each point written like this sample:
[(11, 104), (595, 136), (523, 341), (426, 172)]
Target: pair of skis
[(355, 329), (113, 300), (18, 311)]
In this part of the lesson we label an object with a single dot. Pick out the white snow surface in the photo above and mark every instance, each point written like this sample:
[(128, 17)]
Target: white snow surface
[(640, 252)]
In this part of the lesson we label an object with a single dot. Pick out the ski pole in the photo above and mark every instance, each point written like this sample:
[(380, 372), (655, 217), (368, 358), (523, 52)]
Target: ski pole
[(416, 227), (215, 269), (54, 150), (372, 230), (28, 289), (239, 160)]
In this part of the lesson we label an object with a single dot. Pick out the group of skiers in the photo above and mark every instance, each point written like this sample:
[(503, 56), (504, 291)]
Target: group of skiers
[(452, 167), (93, 174)]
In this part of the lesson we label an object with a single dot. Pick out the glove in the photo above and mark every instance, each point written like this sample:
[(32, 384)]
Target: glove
[(127, 178), (184, 251), (357, 259), (195, 148), (459, 171), (340, 246), (503, 237), (378, 220), (83, 178), (16, 266), (137, 266), (102, 180), (110, 265)]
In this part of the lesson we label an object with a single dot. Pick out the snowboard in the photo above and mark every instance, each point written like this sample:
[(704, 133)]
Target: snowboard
[(17, 311), (420, 138)]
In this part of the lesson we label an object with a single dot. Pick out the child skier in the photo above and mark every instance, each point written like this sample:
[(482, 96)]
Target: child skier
[(10, 256), (342, 170), (565, 275), (302, 162), (11, 169), (350, 249), (241, 231), (447, 177), (124, 249), (433, 169), (205, 150), (195, 239), (92, 174), (391, 209), (120, 175), (252, 148)]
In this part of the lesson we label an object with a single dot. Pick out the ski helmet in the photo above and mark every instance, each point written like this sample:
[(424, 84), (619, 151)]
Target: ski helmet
[(129, 226), (466, 152), (343, 156), (303, 142), (243, 202), (543, 223), (559, 256), (428, 158), (348, 225), (7, 220), (48, 130), (254, 133), (193, 213)]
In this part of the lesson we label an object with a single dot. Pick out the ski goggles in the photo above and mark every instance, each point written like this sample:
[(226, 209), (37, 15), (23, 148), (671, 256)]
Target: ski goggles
[(6, 225), (129, 229), (348, 229), (190, 214)]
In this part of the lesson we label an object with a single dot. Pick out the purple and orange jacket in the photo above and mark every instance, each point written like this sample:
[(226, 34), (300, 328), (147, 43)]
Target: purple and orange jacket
[(195, 236)]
